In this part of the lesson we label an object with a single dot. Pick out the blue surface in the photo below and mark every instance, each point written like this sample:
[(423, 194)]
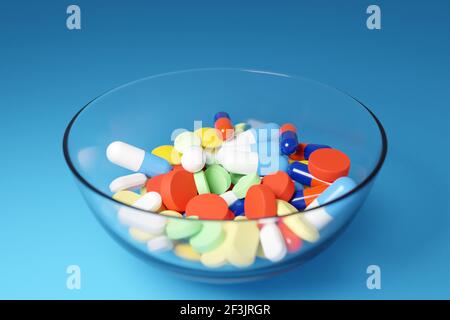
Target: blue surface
[(48, 73)]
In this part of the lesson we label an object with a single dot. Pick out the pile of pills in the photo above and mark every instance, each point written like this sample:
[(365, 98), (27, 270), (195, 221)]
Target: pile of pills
[(259, 175)]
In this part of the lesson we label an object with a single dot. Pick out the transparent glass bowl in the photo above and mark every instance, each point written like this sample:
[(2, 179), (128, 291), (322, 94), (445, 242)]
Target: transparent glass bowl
[(145, 113)]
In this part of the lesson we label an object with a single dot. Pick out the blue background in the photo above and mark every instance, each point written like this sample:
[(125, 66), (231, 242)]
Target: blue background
[(48, 73)]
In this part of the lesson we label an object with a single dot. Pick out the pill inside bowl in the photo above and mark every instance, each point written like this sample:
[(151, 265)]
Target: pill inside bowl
[(231, 194)]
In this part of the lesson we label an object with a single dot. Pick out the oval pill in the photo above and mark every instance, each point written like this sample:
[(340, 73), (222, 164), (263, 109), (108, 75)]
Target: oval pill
[(177, 188), (207, 206), (243, 243), (281, 184), (185, 251), (131, 181), (210, 137), (169, 153), (328, 164), (297, 223), (126, 197), (260, 202)]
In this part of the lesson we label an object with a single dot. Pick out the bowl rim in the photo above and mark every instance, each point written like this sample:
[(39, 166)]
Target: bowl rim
[(359, 186)]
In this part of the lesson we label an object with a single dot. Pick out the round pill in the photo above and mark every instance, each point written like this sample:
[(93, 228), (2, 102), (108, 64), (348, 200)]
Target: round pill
[(241, 187), (171, 213), (168, 153), (127, 197), (210, 237), (210, 137), (154, 183), (260, 202), (185, 140), (328, 164), (281, 184), (177, 188), (185, 251), (218, 178), (207, 206), (201, 183), (193, 159), (177, 229)]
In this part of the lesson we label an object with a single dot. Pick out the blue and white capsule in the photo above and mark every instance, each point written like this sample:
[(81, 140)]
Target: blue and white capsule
[(321, 217), (136, 159)]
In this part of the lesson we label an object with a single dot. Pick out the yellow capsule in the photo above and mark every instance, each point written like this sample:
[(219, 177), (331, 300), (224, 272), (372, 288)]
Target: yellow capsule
[(143, 190), (126, 196), (168, 153), (297, 222), (140, 235), (304, 161), (185, 251), (240, 218), (210, 138)]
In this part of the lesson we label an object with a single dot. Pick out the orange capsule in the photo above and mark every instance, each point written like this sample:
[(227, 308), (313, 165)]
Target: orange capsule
[(225, 128)]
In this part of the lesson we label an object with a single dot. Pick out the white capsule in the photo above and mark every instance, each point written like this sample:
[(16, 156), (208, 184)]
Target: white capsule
[(125, 155), (159, 244), (136, 159), (131, 181), (272, 242), (193, 159), (237, 161), (229, 197)]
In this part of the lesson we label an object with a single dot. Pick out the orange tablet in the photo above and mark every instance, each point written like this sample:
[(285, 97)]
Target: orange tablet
[(328, 164), (208, 206), (260, 202), (281, 185), (177, 188)]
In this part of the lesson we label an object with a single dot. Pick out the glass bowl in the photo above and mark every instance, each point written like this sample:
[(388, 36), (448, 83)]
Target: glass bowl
[(145, 113)]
